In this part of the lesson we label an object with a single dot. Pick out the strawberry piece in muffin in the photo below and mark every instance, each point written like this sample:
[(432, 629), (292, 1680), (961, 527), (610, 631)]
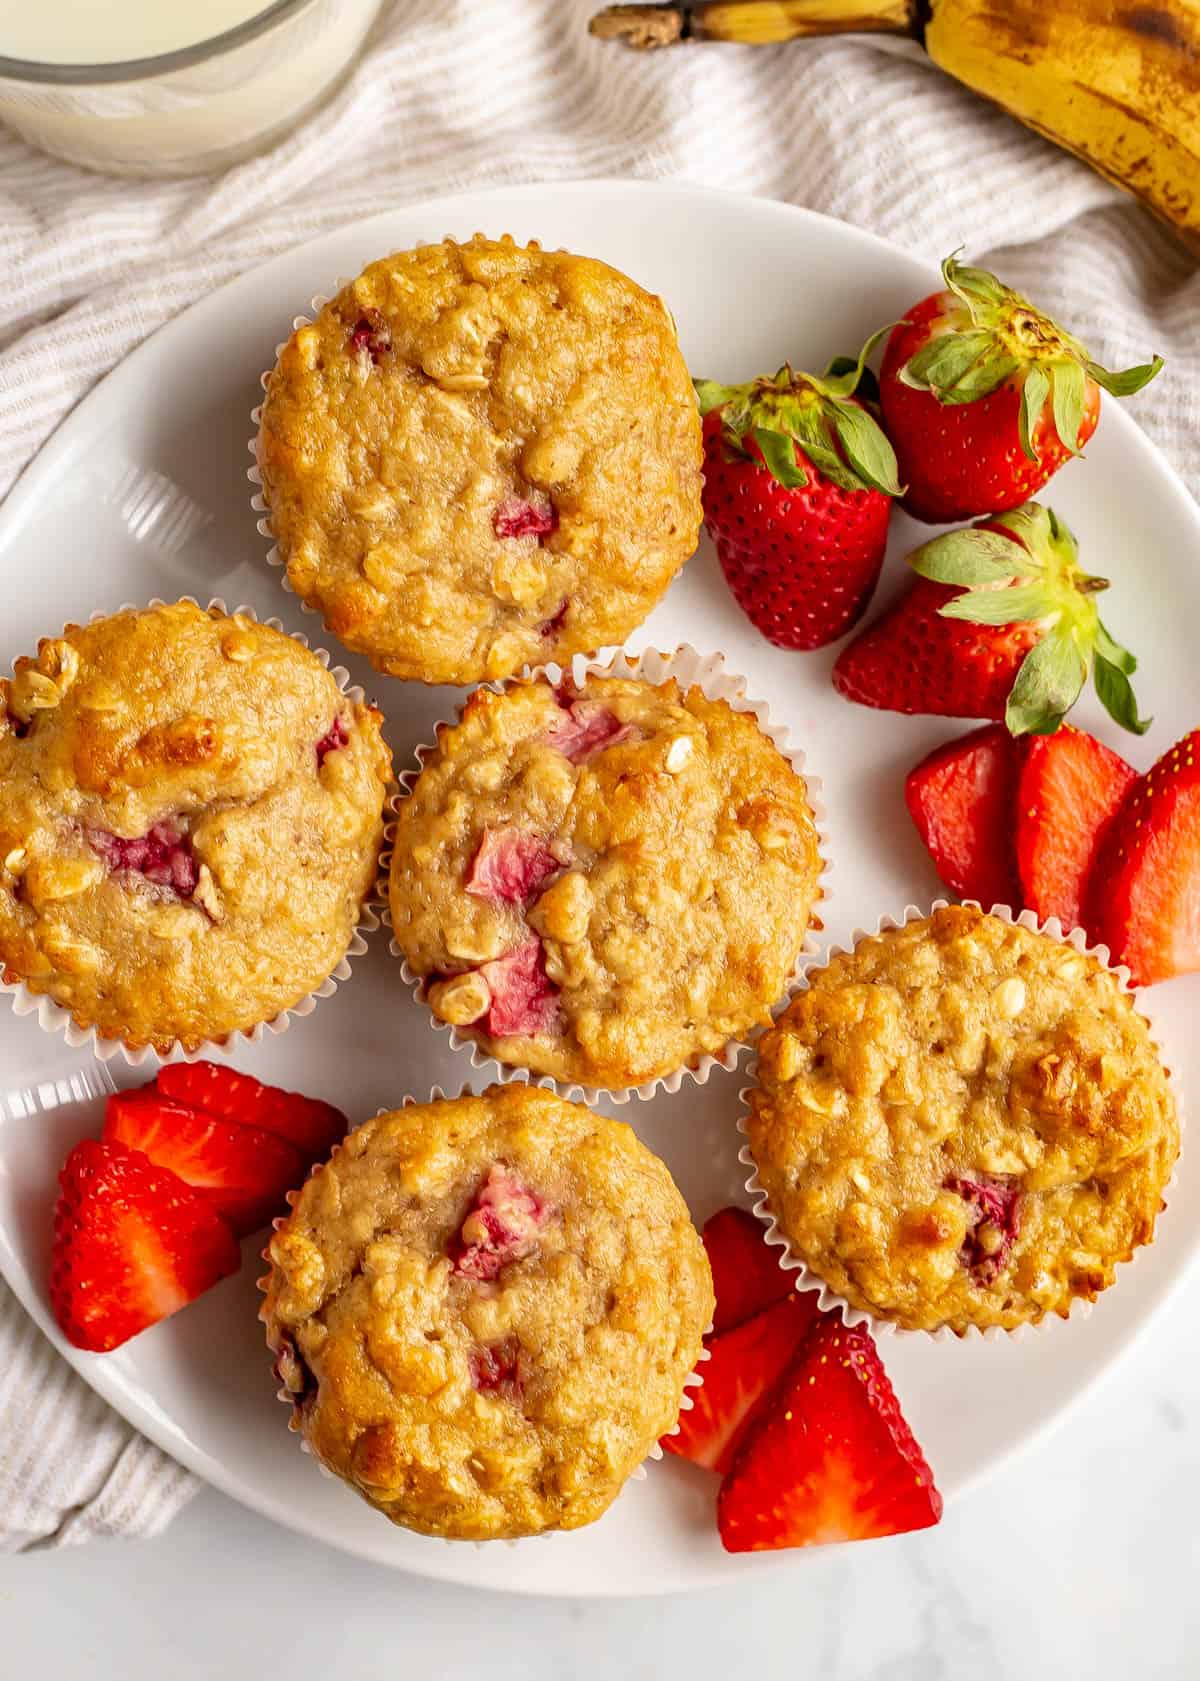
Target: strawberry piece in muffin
[(335, 737), (585, 729), (163, 855), (518, 517), (511, 865), (501, 1227), (996, 1221), (498, 1369), (523, 998)]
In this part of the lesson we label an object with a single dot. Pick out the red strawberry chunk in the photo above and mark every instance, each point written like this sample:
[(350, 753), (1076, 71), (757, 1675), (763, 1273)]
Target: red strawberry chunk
[(517, 517), (312, 1126), (1145, 889), (585, 728), (498, 1368), (502, 1226), (241, 1170), (510, 865), (829, 1457), (163, 856), (745, 1365), (1070, 790), (335, 736), (132, 1244), (962, 800), (523, 998), (371, 336), (746, 1272), (995, 1208)]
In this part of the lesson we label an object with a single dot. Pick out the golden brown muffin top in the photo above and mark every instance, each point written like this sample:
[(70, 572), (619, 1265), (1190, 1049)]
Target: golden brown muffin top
[(604, 883), (482, 456), (485, 1308), (190, 814), (963, 1122)]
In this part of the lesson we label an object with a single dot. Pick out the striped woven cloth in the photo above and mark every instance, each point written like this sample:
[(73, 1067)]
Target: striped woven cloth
[(474, 91)]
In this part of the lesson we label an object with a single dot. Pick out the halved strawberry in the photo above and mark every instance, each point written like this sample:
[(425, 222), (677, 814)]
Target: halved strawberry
[(828, 1457), (1145, 890), (961, 798), (132, 1244), (241, 1170), (745, 1364), (312, 1126), (1070, 788), (746, 1272)]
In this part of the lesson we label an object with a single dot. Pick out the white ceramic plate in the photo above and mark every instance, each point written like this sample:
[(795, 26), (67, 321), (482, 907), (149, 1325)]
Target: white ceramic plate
[(751, 283)]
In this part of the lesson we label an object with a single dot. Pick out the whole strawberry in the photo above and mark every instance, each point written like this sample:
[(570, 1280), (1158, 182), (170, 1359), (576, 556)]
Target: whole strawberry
[(985, 398), (1000, 622), (798, 488)]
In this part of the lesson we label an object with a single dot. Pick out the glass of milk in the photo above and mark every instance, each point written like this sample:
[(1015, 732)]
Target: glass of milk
[(170, 87)]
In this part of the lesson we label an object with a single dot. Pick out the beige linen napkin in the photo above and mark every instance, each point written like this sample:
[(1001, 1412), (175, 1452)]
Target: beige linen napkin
[(475, 91)]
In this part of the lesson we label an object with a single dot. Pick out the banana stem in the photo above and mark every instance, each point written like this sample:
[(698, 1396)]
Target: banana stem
[(754, 22)]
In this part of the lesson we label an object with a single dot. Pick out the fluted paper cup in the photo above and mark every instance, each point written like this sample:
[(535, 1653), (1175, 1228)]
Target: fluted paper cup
[(689, 668), (805, 1275), (54, 1018)]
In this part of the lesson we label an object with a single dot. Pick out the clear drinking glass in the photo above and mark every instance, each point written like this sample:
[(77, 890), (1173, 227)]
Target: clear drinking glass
[(197, 109)]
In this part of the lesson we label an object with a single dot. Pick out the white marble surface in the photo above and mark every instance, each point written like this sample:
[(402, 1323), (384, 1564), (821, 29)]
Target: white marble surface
[(1078, 1562)]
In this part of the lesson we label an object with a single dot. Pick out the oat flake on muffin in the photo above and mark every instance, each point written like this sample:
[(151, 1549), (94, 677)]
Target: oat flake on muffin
[(484, 1310), (963, 1122), (480, 457), (190, 816), (603, 883)]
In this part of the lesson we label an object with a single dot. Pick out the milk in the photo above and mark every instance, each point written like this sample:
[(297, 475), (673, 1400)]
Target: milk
[(220, 106), (111, 31)]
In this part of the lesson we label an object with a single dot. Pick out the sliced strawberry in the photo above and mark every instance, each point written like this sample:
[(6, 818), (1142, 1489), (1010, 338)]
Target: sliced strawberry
[(828, 1457), (312, 1126), (961, 799), (501, 1226), (1145, 889), (745, 1364), (1070, 789), (243, 1171), (746, 1272), (132, 1244)]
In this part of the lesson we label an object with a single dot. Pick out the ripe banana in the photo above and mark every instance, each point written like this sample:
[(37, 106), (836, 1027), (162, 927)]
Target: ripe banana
[(1115, 81)]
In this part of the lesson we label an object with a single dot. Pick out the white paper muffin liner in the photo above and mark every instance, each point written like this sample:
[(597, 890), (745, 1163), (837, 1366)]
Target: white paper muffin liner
[(689, 668), (694, 1379), (806, 1279), (54, 1018), (258, 501)]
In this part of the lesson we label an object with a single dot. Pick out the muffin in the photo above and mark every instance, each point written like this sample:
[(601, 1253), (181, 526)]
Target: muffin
[(480, 457), (484, 1310), (963, 1122), (603, 882), (190, 818)]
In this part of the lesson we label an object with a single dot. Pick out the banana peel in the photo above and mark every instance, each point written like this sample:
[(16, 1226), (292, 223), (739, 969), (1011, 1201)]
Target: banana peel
[(1116, 83)]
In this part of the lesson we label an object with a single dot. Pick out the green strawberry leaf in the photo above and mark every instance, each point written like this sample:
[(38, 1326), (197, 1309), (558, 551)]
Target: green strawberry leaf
[(1047, 686), (1113, 652), (973, 285), (1128, 380), (866, 386), (1002, 607), (1070, 387), (1116, 695), (779, 454), (710, 394), (940, 364), (969, 558), (843, 376), (865, 447), (1034, 391)]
